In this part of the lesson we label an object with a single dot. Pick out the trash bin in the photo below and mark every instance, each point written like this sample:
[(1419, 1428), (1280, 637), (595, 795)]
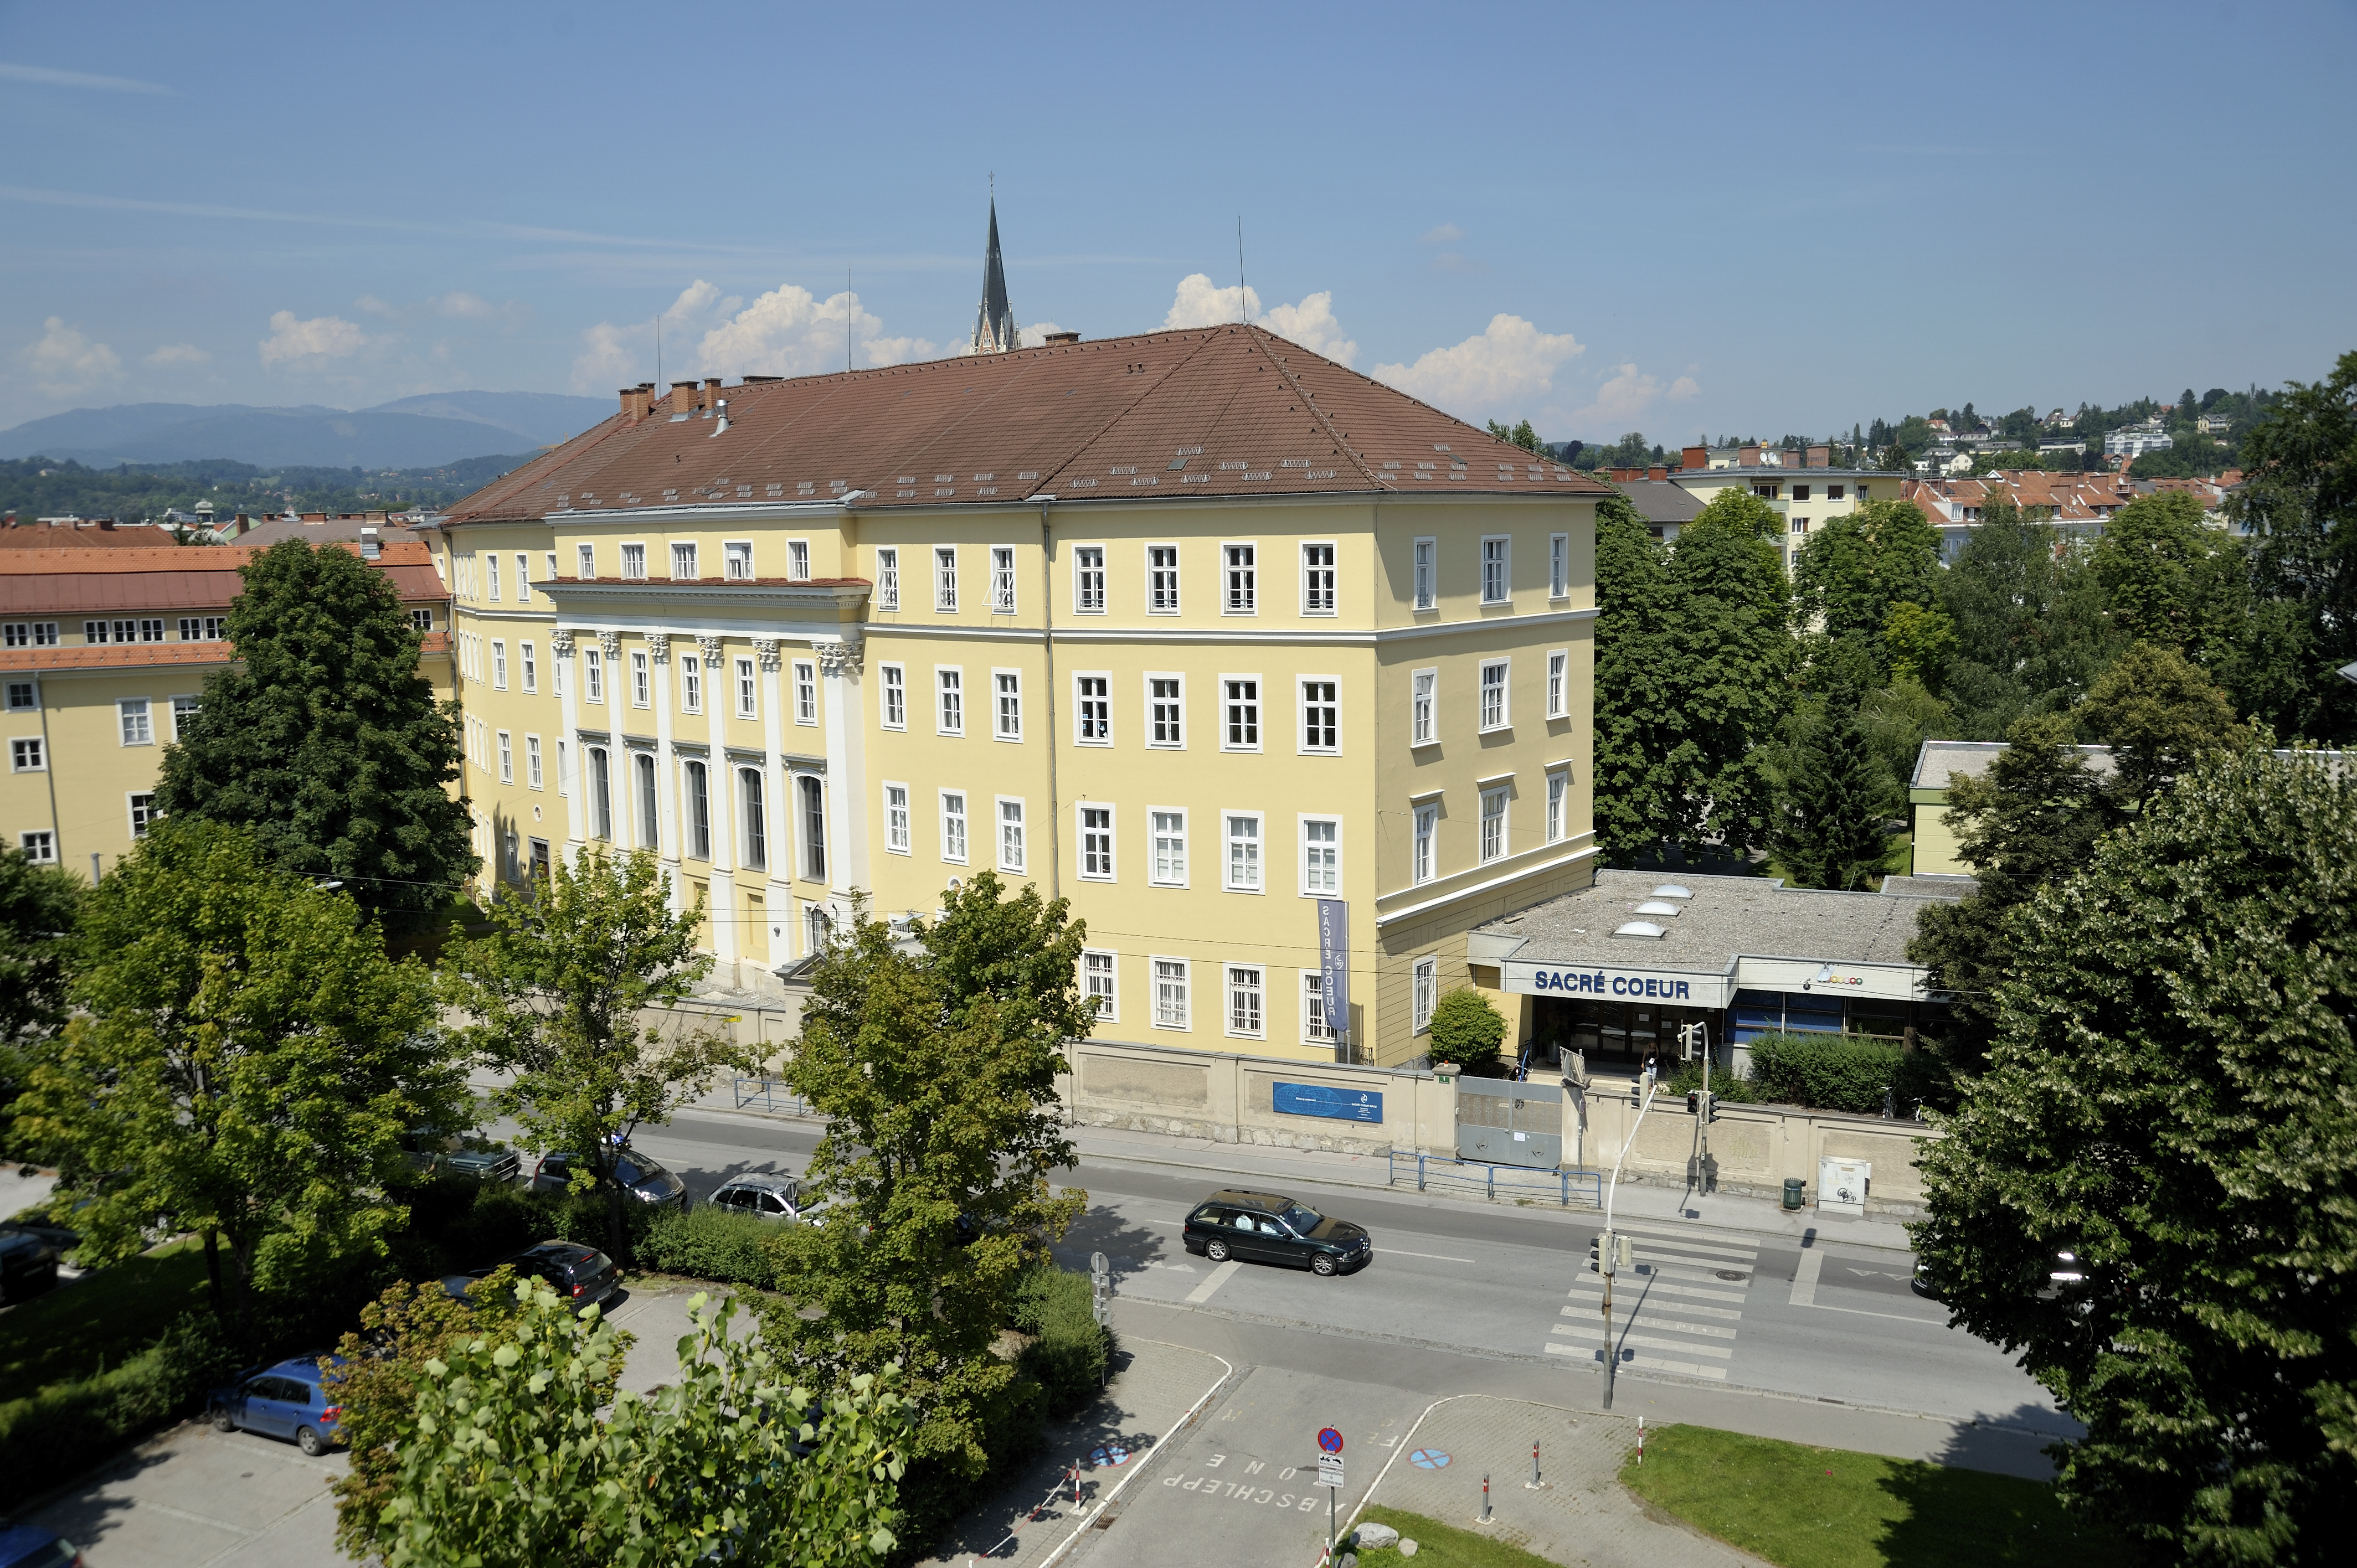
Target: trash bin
[(1795, 1190)]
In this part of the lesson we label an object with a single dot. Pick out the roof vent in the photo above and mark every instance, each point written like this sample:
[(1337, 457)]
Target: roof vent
[(1658, 907), (1672, 890), (720, 407), (1638, 929)]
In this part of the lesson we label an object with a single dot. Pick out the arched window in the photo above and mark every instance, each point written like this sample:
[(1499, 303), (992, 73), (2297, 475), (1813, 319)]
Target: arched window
[(698, 805)]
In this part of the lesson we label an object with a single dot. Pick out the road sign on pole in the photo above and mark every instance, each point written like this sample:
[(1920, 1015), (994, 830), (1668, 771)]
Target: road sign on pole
[(1329, 1469), (1330, 1441)]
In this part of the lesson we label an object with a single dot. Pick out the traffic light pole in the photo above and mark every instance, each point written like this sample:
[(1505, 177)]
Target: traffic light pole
[(1608, 1246)]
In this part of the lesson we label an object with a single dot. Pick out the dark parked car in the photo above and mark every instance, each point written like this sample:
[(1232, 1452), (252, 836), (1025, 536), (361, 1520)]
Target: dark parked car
[(1265, 1228), (641, 1178), (288, 1400), (438, 1152), (28, 1263), (583, 1275), (30, 1546)]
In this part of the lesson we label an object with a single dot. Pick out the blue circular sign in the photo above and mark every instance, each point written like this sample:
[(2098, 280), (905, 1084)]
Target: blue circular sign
[(1428, 1458), (1330, 1440), (1111, 1454)]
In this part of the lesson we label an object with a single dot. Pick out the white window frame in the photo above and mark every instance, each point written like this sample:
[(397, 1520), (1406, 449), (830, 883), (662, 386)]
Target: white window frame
[(32, 693), (1107, 962), (1155, 876), (548, 566), (1082, 699), (1002, 580), (888, 577), (1154, 605), (1151, 721), (1301, 858), (1259, 713), (1179, 975), (798, 561), (1108, 850), (1248, 590), (748, 688), (1303, 703), (593, 676), (536, 771), (1088, 573), (185, 705), (506, 743), (1311, 572), (1001, 821), (1558, 804), (1424, 706), (964, 817), (634, 554), (1315, 1029), (1558, 683), (736, 560), (1239, 983), (39, 845), (531, 669), (141, 817), (22, 747), (945, 579), (943, 689), (491, 574), (1423, 846), (642, 679), (690, 682), (892, 691), (899, 836), (1503, 560), (1497, 846), (499, 664), (1006, 705), (586, 560), (1229, 841), (683, 553), (1424, 984), (1503, 689), (1558, 565), (134, 721), (806, 693)]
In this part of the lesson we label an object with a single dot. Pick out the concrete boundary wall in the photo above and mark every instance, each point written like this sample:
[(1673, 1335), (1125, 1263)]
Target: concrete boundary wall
[(1227, 1099), (1753, 1148)]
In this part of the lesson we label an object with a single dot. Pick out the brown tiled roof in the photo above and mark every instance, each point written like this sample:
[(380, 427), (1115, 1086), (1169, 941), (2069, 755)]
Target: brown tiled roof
[(63, 581), (1223, 410), (37, 535)]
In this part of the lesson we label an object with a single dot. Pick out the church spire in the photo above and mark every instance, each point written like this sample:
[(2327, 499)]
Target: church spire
[(994, 324)]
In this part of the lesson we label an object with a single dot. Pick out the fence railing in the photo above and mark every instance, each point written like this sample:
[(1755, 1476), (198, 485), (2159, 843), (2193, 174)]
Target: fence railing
[(1436, 1173), (773, 1095)]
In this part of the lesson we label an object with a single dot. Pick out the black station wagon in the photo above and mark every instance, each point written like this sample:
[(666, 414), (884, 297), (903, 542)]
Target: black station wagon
[(1264, 1228)]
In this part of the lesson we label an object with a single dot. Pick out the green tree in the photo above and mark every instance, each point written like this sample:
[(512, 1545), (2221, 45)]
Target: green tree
[(555, 994), (1521, 436), (2170, 1099), (324, 737), (1732, 660), (2169, 578), (2035, 818), (2301, 500), (1467, 1028), (511, 1458), (1637, 732), (1918, 642), (1857, 568), (2157, 713), (245, 1063), (2031, 636), (1831, 827), (936, 1072), (38, 905)]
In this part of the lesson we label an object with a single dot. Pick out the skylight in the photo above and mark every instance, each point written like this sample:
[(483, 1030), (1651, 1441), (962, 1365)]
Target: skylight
[(1638, 929), (1672, 890), (1657, 906)]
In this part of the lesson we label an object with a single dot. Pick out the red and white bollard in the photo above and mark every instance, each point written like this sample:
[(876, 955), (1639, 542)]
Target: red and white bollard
[(1641, 1440), (1485, 1499)]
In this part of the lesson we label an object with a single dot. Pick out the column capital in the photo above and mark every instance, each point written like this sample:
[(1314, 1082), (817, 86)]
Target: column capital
[(839, 656)]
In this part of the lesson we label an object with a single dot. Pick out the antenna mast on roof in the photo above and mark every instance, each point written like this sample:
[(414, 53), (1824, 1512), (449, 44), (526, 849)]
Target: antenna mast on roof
[(1242, 311), (850, 314), (658, 348)]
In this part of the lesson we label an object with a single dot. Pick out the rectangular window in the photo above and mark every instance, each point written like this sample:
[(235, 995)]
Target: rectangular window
[(1427, 981), (1167, 700), (952, 689), (548, 567), (24, 697), (419, 620), (1089, 579), (1170, 993), (1320, 725), (1800, 525), (1242, 580), (690, 684), (696, 788), (531, 667), (1800, 492), (643, 686), (1496, 579), (1559, 567), (888, 578), (136, 729), (1317, 579), (40, 848), (1428, 586), (44, 633), (896, 818), (1494, 824), (587, 557), (1428, 827), (806, 691), (1096, 709), (143, 815), (1097, 984), (531, 769), (1169, 835), (736, 560), (151, 630), (1002, 580), (896, 697), (1097, 843), (507, 759), (1010, 835), (798, 568), (524, 579), (1244, 853), (93, 631), (1162, 579), (1321, 856), (634, 563), (953, 826), (1244, 1001), (210, 629), (1558, 797), (1834, 492), (683, 561), (593, 675), (748, 691), (499, 664), (1243, 716), (1007, 722), (1422, 722), (642, 770), (1315, 1030), (1493, 694), (24, 755), (1559, 684), (813, 827), (491, 576), (751, 806), (564, 773), (184, 715), (945, 577)]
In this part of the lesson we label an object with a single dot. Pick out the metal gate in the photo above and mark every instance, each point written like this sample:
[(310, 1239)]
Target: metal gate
[(1506, 1123)]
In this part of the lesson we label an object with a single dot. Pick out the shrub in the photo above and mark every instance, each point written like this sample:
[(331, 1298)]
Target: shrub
[(709, 1243), (1833, 1073), (1467, 1029), (1071, 1350), (68, 1427), (1725, 1086)]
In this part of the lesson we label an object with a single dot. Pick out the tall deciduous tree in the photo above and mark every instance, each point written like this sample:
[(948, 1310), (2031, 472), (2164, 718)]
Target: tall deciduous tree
[(245, 1063), (936, 1072), (2172, 1098), (1854, 569), (1636, 729), (1732, 657), (2170, 579), (555, 995), (1831, 825), (2157, 713), (38, 905), (2031, 635), (324, 737)]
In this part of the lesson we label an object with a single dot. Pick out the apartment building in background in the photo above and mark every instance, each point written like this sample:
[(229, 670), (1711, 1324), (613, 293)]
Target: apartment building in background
[(1798, 482), (1196, 629)]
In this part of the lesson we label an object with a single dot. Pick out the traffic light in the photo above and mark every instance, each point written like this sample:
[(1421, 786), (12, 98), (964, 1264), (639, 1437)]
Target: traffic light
[(1694, 1102), (1711, 1107)]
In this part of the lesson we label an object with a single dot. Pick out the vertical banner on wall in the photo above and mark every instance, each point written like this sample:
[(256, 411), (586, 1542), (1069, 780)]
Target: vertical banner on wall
[(1334, 965)]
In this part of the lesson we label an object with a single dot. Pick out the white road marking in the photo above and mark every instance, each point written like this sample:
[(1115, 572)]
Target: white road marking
[(1897, 1317), (1220, 1276), (1805, 1278), (1436, 1257), (1643, 1363), (1725, 1314), (1654, 1284), (1581, 1331)]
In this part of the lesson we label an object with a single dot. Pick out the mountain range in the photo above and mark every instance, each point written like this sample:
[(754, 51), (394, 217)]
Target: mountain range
[(422, 432)]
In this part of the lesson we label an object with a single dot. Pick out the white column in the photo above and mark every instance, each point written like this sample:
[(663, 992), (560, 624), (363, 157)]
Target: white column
[(666, 771), (779, 899), (560, 650), (715, 788), (846, 770)]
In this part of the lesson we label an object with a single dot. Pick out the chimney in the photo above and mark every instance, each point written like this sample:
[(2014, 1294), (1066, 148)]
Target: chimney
[(683, 397), (1747, 457), (1063, 337), (711, 391), (1698, 458), (634, 402), (1821, 457), (1657, 473)]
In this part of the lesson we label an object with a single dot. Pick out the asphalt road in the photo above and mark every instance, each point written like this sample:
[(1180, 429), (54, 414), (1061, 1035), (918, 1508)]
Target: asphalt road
[(1715, 1305)]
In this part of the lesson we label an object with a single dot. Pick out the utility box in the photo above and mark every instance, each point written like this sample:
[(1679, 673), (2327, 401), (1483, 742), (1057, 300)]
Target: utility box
[(1502, 1122), (1842, 1185)]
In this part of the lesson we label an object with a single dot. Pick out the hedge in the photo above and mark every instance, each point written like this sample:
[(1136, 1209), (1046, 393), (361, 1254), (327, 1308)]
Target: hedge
[(710, 1243), (48, 1437), (1834, 1072), (1071, 1350)]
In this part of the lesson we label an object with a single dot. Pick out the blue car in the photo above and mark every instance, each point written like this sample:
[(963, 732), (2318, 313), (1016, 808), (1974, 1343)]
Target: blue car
[(30, 1546), (285, 1400)]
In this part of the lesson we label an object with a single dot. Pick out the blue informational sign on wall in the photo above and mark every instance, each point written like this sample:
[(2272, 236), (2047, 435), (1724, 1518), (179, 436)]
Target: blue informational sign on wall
[(1318, 1100)]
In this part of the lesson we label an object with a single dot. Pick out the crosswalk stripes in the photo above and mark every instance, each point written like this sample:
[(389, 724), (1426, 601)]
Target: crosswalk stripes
[(1678, 1310)]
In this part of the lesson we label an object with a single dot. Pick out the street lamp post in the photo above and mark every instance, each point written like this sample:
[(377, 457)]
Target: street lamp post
[(1610, 1248)]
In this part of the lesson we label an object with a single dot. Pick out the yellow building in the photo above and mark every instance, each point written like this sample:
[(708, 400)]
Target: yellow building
[(1196, 629), (105, 653), (1796, 482)]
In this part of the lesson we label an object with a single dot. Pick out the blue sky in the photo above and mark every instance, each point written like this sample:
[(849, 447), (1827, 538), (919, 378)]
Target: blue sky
[(1740, 220)]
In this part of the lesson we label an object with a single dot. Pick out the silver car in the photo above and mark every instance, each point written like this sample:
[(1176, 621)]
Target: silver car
[(765, 1196)]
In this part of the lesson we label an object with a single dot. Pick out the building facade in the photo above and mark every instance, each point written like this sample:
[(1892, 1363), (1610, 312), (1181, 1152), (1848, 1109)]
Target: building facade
[(1803, 490), (1196, 629)]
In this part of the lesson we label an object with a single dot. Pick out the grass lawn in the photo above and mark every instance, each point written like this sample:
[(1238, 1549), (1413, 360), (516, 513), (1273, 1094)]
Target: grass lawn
[(101, 1321), (1825, 1507), (1442, 1545)]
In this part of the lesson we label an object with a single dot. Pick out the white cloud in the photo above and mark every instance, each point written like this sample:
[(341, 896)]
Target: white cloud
[(1626, 395), (1311, 323), (1036, 335), (322, 337), (180, 354), (1446, 234), (613, 357), (1509, 364), (788, 332), (1683, 388), (65, 363), (459, 303), (373, 305)]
